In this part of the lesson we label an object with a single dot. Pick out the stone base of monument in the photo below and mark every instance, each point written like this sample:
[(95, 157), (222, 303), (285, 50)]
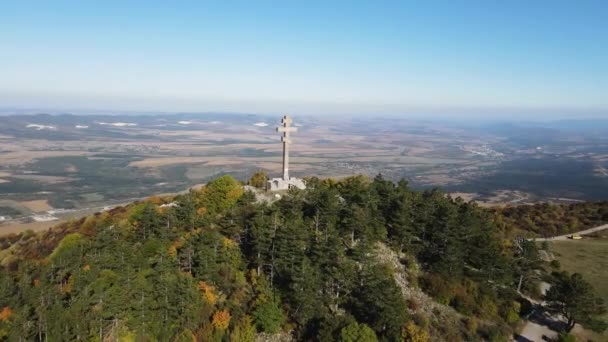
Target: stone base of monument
[(277, 184)]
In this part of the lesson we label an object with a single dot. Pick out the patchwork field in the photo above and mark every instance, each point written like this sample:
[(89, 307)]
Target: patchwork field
[(37, 205), (123, 157)]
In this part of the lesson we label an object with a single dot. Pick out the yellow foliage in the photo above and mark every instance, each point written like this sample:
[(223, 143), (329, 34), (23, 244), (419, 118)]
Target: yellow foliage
[(328, 182), (67, 287), (201, 210), (413, 333), (252, 275), (172, 251), (6, 313), (127, 336), (259, 179), (235, 194), (221, 319), (218, 195), (209, 294), (86, 268), (190, 234), (229, 243)]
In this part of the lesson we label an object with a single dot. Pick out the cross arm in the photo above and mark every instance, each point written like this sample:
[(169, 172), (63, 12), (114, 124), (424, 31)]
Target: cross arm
[(287, 129)]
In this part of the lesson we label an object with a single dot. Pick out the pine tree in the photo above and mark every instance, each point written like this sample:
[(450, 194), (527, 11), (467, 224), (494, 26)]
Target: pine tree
[(574, 298)]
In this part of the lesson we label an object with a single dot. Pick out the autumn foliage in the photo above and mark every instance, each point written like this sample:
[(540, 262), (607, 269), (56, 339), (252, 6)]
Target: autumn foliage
[(5, 313), (221, 319), (321, 264), (208, 293), (258, 180)]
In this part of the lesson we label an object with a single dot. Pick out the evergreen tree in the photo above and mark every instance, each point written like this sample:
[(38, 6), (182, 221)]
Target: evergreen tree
[(216, 265), (378, 302), (574, 298)]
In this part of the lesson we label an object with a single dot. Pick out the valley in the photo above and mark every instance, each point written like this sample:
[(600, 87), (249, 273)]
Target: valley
[(72, 164)]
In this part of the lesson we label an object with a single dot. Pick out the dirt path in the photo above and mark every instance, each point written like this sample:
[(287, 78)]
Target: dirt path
[(535, 332), (565, 237), (538, 323)]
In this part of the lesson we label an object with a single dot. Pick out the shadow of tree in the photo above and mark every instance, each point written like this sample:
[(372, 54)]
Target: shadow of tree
[(540, 316)]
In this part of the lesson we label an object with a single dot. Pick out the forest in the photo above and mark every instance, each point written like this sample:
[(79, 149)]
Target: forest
[(355, 259), (547, 219)]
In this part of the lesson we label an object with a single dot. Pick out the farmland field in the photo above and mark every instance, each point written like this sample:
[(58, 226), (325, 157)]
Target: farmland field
[(74, 168)]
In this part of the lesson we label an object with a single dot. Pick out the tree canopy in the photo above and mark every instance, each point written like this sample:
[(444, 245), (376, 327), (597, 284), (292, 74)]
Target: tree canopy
[(573, 297), (216, 265)]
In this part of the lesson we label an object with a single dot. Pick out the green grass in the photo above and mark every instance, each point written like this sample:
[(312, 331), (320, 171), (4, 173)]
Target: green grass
[(588, 257)]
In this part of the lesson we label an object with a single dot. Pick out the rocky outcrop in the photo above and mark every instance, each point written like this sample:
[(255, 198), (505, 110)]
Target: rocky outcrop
[(418, 301)]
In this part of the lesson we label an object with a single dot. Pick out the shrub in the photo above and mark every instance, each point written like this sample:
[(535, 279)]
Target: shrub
[(221, 319), (207, 292), (269, 317), (437, 287), (244, 331), (566, 338), (355, 332), (413, 333), (220, 194), (258, 180), (67, 245)]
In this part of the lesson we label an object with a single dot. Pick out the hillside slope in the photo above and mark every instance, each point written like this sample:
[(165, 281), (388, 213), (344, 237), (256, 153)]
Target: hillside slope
[(547, 219), (215, 265)]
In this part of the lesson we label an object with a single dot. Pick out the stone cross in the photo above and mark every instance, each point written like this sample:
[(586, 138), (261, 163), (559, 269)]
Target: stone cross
[(286, 129)]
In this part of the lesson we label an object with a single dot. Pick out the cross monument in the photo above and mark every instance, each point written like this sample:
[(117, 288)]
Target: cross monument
[(286, 182), (286, 128)]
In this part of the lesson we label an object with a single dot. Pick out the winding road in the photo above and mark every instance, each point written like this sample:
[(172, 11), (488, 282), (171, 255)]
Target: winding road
[(565, 237)]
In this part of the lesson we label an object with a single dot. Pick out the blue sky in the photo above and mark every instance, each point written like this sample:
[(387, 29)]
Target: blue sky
[(351, 57)]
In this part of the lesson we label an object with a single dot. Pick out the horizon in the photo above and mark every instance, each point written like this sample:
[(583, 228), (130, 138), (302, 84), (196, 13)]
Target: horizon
[(470, 60), (421, 117)]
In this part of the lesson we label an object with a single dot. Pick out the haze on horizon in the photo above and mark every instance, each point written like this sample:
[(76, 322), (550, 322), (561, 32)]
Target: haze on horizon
[(544, 58)]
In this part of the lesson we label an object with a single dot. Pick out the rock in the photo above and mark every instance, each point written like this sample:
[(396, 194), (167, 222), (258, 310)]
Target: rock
[(424, 304), (278, 337)]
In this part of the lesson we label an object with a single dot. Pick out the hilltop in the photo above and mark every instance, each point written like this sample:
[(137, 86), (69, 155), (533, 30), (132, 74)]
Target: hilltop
[(350, 260)]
